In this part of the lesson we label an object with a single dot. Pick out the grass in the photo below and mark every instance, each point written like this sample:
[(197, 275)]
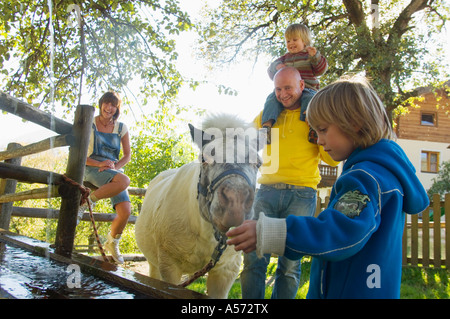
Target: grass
[(417, 283), (235, 292), (425, 283)]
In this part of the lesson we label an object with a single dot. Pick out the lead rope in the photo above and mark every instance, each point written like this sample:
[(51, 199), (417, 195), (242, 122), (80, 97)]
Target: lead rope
[(85, 191), (220, 248)]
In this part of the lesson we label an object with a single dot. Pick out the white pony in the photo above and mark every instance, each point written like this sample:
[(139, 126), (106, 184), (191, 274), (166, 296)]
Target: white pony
[(187, 211)]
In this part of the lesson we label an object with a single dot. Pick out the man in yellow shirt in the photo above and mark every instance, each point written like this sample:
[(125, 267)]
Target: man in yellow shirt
[(289, 178)]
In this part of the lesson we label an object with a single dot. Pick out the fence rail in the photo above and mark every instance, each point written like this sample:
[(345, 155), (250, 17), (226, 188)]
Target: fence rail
[(76, 136)]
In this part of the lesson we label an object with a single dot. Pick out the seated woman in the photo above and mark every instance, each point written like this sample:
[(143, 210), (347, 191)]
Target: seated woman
[(103, 166)]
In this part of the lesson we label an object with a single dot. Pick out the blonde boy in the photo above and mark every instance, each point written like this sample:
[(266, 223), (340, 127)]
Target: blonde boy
[(356, 243)]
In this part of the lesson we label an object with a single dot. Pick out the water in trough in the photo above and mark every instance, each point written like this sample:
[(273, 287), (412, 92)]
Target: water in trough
[(24, 275)]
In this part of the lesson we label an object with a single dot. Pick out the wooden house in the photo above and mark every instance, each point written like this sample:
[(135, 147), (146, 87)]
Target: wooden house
[(424, 134)]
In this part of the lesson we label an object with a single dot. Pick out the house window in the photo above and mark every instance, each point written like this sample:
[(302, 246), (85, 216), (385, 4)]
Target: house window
[(428, 119), (429, 162)]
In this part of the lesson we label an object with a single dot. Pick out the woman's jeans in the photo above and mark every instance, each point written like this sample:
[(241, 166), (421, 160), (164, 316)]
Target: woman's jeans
[(276, 203)]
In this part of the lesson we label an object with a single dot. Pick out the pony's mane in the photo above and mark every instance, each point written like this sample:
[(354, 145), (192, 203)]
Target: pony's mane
[(223, 121), (223, 128)]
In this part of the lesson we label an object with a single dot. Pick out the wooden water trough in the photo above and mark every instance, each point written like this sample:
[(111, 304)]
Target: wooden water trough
[(75, 136), (127, 282)]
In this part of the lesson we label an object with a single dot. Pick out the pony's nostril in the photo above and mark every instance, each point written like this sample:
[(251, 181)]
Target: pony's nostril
[(223, 198)]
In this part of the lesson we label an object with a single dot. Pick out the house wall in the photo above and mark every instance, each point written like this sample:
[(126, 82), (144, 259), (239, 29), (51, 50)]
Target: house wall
[(413, 150), (415, 137)]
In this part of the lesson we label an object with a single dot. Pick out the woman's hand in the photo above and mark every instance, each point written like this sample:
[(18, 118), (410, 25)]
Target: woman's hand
[(108, 164)]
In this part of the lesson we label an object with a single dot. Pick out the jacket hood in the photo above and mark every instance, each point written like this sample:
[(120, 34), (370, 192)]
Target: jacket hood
[(391, 156)]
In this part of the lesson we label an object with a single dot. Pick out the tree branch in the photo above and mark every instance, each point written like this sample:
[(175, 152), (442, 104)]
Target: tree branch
[(355, 11), (401, 24)]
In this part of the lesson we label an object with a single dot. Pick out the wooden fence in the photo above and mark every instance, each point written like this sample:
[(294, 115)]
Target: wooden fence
[(76, 136), (426, 239), (11, 169)]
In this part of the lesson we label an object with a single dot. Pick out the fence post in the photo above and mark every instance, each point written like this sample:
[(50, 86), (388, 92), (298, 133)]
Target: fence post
[(8, 186), (414, 240), (70, 203), (426, 238), (447, 230), (437, 230), (318, 206), (405, 242)]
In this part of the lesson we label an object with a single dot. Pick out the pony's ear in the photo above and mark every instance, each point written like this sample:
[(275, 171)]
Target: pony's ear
[(199, 137)]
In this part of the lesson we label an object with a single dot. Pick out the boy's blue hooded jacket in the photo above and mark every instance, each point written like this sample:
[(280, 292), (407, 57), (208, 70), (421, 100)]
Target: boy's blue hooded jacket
[(357, 241)]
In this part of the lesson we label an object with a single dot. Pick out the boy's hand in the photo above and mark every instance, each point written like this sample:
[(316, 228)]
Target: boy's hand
[(311, 51), (243, 237)]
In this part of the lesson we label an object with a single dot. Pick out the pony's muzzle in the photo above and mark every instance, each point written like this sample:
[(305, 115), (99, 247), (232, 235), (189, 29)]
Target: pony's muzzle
[(236, 203)]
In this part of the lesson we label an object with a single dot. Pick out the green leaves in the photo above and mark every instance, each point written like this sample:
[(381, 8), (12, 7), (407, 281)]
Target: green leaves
[(111, 43), (441, 184), (158, 144), (396, 54)]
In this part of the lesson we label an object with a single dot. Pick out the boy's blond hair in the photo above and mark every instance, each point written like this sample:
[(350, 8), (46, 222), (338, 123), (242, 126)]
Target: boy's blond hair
[(299, 30), (352, 105)]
